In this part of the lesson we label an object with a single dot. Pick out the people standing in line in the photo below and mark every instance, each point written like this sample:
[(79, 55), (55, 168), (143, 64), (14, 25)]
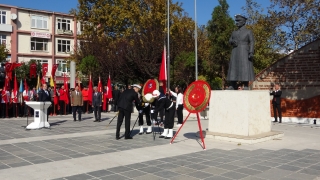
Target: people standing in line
[(105, 107), (44, 96), (115, 96), (50, 89), (85, 95), (14, 101), (125, 105), (144, 109), (5, 103), (276, 103), (20, 104), (62, 100), (96, 104), (76, 103), (179, 104), (167, 104), (26, 98)]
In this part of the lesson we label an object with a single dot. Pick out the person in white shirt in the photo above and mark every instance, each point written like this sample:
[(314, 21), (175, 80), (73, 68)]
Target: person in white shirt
[(179, 104)]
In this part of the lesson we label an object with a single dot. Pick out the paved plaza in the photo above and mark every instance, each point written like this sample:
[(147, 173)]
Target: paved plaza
[(88, 150)]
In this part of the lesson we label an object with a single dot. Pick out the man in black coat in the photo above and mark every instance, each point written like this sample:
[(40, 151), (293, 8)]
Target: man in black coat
[(125, 104), (115, 96), (276, 102), (96, 104), (44, 96)]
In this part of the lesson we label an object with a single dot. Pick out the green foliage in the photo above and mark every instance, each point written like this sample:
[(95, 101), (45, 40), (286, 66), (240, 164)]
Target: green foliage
[(88, 65), (184, 68), (219, 29), (23, 72), (3, 53)]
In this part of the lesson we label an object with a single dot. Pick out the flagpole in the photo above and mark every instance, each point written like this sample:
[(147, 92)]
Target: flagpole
[(196, 39), (168, 45)]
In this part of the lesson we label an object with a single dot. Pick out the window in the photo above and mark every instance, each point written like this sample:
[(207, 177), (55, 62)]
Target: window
[(39, 22), (39, 44), (3, 39), (41, 61), (63, 46), (3, 17), (62, 66), (64, 24)]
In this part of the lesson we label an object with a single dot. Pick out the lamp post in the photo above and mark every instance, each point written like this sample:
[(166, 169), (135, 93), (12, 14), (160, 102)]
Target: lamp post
[(168, 44), (196, 39)]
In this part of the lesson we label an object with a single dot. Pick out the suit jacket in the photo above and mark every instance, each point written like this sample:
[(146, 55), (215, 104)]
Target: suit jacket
[(96, 99), (115, 96), (276, 96), (76, 100), (126, 99), (43, 96)]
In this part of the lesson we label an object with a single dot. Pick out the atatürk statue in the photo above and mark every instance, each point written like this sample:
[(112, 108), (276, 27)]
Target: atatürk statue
[(240, 66)]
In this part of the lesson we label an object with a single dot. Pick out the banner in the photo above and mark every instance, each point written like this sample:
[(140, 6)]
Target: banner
[(33, 70)]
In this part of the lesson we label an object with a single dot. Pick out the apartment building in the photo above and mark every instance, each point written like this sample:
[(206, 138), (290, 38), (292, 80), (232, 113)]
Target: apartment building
[(45, 36)]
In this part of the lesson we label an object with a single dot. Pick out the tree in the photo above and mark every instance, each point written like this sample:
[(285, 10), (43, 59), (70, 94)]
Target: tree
[(3, 53), (297, 22), (88, 65), (219, 30)]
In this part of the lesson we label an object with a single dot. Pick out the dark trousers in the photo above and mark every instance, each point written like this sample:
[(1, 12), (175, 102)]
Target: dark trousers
[(180, 114), (15, 110), (62, 105), (85, 107), (115, 107), (77, 109), (97, 112), (161, 113), (277, 107), (169, 121), (3, 110), (145, 111), (127, 115)]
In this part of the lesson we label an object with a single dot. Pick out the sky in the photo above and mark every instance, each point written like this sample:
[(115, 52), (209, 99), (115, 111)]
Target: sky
[(204, 7)]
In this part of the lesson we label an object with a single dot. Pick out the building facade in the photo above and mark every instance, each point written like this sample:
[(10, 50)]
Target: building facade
[(44, 36)]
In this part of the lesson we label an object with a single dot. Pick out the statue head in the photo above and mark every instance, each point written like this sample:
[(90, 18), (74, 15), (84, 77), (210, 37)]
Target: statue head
[(240, 20)]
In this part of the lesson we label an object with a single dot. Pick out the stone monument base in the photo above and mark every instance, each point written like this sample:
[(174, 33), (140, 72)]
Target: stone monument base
[(240, 116), (272, 135)]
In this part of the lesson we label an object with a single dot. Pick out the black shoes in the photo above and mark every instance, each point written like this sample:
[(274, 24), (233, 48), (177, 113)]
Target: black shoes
[(128, 138), (117, 138), (95, 121)]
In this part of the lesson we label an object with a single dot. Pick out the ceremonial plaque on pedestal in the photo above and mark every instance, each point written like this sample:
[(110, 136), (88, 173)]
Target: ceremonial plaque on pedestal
[(40, 114)]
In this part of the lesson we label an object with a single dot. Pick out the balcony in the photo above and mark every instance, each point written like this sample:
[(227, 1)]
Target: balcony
[(5, 27), (67, 32)]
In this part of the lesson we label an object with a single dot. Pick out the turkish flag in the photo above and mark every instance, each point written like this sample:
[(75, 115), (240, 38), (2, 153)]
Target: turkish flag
[(54, 69), (33, 70), (99, 85), (15, 90), (109, 90), (90, 91), (44, 69), (66, 88), (163, 70)]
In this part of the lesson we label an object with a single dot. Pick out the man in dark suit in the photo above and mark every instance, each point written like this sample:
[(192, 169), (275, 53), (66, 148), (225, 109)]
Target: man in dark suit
[(125, 108), (276, 102), (76, 103), (44, 96), (96, 104), (115, 96)]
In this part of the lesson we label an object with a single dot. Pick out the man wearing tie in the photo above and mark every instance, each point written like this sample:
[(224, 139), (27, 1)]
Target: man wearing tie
[(276, 102), (44, 96), (96, 104), (76, 103)]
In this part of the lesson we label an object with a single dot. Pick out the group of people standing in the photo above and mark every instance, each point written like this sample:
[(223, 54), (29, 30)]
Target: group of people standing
[(165, 103)]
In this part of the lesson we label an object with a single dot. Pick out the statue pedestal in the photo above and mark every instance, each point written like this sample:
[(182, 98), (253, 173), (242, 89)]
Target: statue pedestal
[(40, 114), (240, 115)]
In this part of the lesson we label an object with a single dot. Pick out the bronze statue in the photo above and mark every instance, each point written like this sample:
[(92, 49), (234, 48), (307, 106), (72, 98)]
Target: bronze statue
[(240, 65)]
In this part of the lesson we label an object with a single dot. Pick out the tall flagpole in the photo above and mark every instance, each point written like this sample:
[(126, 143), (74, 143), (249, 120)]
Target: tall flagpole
[(168, 45), (196, 38)]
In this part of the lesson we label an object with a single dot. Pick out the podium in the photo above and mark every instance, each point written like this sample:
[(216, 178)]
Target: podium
[(40, 114)]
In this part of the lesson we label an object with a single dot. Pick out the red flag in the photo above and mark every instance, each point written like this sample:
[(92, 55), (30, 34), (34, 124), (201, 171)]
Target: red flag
[(163, 70), (5, 88), (109, 92), (10, 67), (55, 99), (33, 70), (90, 91), (99, 85), (44, 69), (43, 80), (15, 90), (54, 69), (66, 88)]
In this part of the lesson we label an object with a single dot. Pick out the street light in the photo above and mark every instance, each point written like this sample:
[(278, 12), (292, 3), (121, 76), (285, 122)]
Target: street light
[(196, 39)]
